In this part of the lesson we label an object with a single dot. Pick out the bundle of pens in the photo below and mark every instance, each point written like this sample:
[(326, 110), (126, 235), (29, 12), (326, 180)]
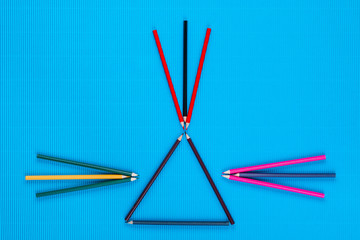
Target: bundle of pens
[(183, 118), (115, 177), (245, 175)]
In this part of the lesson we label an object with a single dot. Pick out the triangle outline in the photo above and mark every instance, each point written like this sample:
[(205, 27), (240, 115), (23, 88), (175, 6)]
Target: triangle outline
[(159, 170)]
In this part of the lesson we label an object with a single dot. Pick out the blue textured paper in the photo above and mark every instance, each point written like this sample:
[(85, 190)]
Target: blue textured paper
[(83, 81)]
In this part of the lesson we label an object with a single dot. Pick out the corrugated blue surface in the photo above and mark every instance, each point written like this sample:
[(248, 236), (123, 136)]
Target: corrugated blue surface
[(83, 80)]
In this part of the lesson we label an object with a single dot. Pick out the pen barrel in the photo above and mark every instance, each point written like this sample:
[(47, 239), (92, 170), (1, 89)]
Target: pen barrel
[(73, 189), (198, 75), (286, 175), (152, 180), (185, 71), (106, 169), (217, 193), (76, 177), (277, 186), (168, 78), (277, 164), (186, 223)]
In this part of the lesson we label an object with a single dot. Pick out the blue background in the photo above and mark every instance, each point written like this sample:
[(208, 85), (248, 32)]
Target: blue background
[(83, 80)]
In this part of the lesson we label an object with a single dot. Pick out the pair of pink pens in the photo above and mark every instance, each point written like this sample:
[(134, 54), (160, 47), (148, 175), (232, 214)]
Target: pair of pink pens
[(238, 172)]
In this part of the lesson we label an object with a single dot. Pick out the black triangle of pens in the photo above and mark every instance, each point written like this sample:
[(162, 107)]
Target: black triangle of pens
[(131, 176), (156, 174)]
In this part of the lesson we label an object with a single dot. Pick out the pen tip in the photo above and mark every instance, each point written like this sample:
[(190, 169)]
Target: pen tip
[(129, 222), (134, 174), (226, 172), (226, 176), (179, 138), (133, 179)]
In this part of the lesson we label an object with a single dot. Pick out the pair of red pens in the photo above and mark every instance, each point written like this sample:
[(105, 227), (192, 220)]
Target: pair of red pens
[(243, 174), (183, 119)]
